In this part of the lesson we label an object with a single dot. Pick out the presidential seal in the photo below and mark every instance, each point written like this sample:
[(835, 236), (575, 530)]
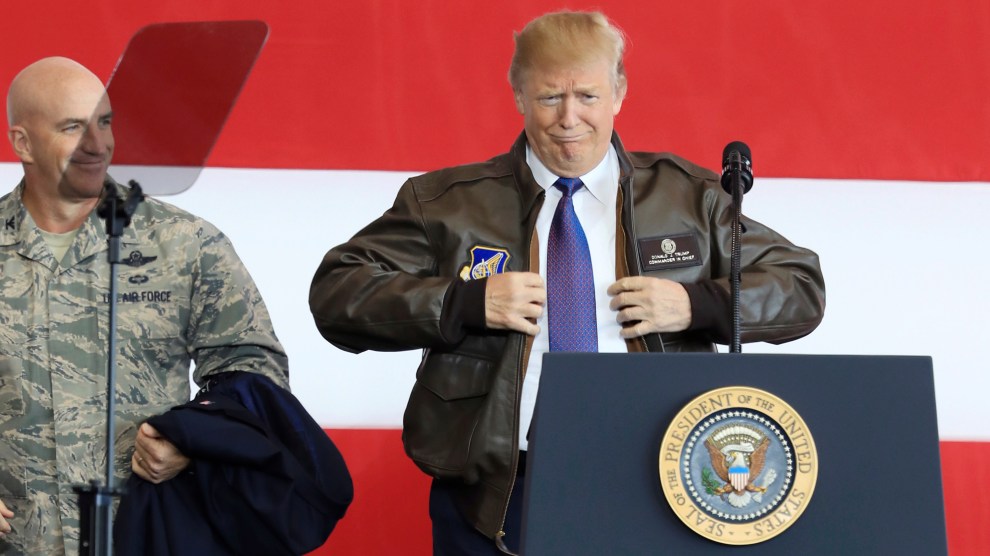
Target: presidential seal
[(738, 465)]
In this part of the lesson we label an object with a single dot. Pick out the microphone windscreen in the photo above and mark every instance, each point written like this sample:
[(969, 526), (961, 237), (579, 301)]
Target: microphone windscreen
[(737, 146)]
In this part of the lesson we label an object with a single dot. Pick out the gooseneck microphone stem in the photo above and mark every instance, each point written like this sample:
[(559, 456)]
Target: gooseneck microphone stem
[(735, 266), (96, 499), (737, 179)]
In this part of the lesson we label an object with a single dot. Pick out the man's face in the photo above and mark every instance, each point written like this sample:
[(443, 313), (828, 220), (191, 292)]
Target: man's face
[(71, 142), (568, 113)]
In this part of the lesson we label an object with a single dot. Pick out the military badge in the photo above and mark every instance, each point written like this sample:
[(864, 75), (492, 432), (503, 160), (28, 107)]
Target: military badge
[(136, 259), (485, 261), (738, 465)]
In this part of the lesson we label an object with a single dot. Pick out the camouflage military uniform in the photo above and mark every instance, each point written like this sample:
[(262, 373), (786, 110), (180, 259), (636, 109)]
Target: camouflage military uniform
[(183, 295)]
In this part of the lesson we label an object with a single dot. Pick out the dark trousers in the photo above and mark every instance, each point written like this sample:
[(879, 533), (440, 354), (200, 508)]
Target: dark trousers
[(455, 536)]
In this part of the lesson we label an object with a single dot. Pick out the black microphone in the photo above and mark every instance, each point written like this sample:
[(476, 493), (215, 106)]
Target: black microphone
[(737, 179), (736, 157)]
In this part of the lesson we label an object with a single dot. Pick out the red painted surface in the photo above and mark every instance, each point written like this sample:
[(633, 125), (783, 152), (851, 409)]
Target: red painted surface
[(389, 514), (965, 476), (390, 510), (817, 88)]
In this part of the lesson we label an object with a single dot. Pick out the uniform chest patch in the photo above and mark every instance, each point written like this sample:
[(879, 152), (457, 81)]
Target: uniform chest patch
[(136, 259), (677, 251), (485, 261)]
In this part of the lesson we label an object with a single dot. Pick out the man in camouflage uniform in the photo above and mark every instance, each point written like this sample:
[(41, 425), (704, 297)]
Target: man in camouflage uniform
[(183, 295)]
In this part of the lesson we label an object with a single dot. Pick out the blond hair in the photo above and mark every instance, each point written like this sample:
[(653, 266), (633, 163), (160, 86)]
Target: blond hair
[(567, 38)]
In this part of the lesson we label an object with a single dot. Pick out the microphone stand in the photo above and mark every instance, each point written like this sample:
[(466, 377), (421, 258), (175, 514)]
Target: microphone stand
[(735, 264), (96, 499)]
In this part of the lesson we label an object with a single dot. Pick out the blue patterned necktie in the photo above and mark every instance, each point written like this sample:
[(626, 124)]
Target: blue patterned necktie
[(570, 280)]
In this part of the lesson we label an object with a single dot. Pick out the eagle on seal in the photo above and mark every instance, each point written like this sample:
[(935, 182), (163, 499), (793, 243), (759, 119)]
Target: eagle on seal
[(738, 464)]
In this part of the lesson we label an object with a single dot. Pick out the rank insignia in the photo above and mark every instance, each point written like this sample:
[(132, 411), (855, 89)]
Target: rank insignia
[(485, 261)]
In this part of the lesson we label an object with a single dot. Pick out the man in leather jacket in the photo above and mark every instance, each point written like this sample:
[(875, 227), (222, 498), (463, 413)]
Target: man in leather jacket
[(455, 268)]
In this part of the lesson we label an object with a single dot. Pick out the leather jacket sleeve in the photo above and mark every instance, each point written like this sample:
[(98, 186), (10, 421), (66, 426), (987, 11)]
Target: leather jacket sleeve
[(783, 291), (379, 290)]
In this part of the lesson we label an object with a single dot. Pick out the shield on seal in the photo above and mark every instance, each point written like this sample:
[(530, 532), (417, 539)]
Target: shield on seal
[(739, 477)]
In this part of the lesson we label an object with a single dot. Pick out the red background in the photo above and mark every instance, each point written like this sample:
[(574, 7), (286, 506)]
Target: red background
[(819, 88)]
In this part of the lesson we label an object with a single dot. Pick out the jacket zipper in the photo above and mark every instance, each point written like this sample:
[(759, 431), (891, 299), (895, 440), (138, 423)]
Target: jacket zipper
[(520, 373), (499, 543)]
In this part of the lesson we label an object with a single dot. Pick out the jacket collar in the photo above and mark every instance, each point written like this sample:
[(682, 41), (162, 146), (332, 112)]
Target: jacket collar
[(530, 191), (625, 164)]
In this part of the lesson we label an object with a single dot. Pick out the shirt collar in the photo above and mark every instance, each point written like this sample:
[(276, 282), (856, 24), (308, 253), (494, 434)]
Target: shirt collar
[(601, 181)]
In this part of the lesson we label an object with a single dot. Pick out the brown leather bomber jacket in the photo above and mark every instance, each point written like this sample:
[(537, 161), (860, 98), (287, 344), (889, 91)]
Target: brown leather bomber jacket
[(397, 285)]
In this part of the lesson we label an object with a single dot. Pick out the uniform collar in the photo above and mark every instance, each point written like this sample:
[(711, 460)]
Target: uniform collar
[(17, 227)]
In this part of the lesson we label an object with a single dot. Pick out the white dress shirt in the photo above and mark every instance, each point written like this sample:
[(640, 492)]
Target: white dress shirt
[(595, 207)]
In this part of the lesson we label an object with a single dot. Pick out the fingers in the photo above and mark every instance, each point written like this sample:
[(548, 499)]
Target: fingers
[(524, 287), (520, 279), (620, 301), (5, 514), (524, 326), (636, 330), (144, 461), (636, 321), (646, 305), (158, 468), (629, 292), (514, 301), (137, 466), (148, 430), (628, 284), (632, 314), (155, 459)]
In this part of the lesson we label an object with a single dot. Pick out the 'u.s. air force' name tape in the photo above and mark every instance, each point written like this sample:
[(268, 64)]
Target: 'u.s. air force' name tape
[(146, 296)]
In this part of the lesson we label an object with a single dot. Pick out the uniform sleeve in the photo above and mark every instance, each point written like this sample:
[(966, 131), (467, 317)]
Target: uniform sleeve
[(381, 290), (230, 328)]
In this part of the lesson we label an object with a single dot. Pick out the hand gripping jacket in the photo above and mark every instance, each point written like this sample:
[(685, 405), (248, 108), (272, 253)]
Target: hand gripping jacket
[(264, 479)]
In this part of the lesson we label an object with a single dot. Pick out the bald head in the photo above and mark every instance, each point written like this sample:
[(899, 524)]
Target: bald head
[(50, 80), (60, 117)]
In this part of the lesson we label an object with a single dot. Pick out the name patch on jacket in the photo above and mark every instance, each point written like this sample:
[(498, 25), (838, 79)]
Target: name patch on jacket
[(660, 253), (485, 261)]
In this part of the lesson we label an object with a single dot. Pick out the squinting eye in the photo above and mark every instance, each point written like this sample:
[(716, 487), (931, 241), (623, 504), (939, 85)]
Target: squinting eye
[(549, 101)]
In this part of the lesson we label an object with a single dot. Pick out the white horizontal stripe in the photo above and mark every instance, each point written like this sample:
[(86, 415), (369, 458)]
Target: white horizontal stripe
[(905, 266)]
